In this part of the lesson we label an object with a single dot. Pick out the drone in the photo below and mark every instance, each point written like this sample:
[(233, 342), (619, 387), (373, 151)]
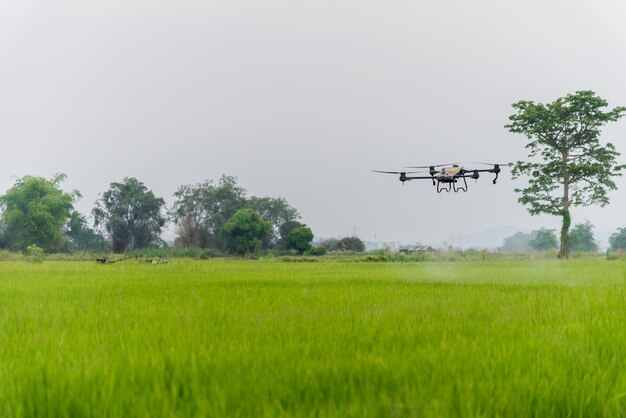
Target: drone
[(447, 177)]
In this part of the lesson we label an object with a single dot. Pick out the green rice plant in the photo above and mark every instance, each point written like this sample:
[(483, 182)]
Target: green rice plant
[(271, 339)]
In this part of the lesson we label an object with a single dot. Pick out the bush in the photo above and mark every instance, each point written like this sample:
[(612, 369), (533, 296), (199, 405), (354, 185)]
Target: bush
[(298, 259), (208, 253), (6, 255), (381, 255), (34, 253), (317, 251), (615, 255)]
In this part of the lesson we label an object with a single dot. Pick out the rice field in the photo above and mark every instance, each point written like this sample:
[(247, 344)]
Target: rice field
[(271, 339)]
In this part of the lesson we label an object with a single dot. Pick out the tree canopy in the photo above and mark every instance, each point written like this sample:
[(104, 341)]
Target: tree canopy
[(35, 211), (618, 240), (544, 240), (518, 242), (278, 212), (245, 232), (299, 239), (567, 165), (581, 238), (81, 237), (351, 244), (130, 214), (201, 211)]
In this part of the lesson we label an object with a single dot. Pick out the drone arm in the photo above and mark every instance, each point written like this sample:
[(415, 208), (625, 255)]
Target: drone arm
[(419, 178), (495, 170)]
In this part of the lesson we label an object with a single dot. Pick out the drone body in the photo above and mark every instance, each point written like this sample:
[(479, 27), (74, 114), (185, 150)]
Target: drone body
[(449, 177)]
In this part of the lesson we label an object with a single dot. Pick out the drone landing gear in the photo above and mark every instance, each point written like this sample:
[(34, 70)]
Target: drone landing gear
[(462, 189), (451, 186), (495, 178), (441, 188)]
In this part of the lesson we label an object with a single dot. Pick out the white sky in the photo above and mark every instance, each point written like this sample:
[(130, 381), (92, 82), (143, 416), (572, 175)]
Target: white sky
[(301, 99)]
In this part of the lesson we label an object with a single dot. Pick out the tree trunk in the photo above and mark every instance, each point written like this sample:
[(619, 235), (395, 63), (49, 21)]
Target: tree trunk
[(567, 221)]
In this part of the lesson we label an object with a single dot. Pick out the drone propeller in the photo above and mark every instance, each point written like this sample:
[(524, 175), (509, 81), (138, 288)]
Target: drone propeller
[(399, 172), (435, 165), (500, 164)]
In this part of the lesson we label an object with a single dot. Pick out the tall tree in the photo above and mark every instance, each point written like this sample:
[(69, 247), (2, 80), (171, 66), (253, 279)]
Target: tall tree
[(201, 211), (567, 165), (283, 233), (581, 238), (35, 212), (544, 240), (299, 239), (518, 242), (351, 244), (275, 210), (130, 214), (79, 236), (245, 232), (618, 240), (189, 215)]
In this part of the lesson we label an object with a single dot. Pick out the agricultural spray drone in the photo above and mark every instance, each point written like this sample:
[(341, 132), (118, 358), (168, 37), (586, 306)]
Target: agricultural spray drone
[(450, 176)]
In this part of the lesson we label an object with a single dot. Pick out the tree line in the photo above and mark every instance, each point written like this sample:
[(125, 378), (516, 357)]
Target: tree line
[(209, 215), (580, 237), (567, 166)]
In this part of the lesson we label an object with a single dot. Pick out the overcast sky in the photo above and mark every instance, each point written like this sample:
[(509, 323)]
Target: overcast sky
[(302, 99)]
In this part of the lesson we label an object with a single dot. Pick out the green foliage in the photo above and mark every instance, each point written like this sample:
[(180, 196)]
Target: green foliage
[(201, 211), (176, 252), (34, 253), (299, 259), (35, 212), (581, 238), (245, 232), (6, 255), (317, 251), (567, 165), (544, 240), (351, 244), (330, 244), (518, 242), (130, 214), (615, 255), (299, 239), (385, 256), (278, 212), (81, 237), (618, 240), (354, 244), (283, 233)]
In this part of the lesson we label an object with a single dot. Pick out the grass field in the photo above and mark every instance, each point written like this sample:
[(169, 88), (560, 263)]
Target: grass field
[(262, 338)]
